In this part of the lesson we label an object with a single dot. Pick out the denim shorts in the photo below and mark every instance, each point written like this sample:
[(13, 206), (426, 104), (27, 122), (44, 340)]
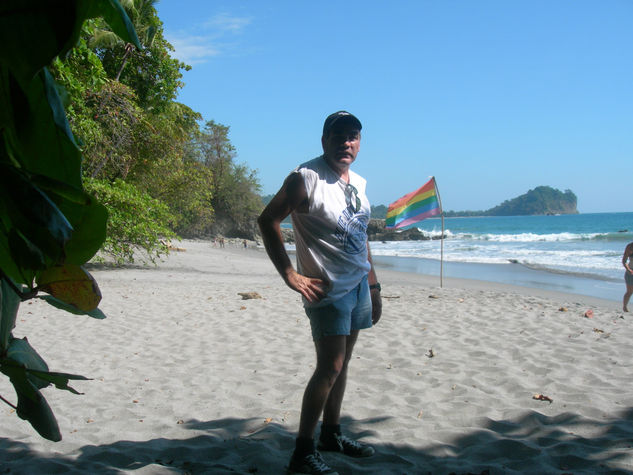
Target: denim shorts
[(351, 312), (628, 278)]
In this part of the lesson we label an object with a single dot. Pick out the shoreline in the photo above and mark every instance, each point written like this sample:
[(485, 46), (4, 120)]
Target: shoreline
[(190, 377), (516, 275)]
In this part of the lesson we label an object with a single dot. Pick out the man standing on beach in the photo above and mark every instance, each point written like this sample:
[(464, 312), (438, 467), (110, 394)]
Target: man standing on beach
[(628, 275), (334, 275)]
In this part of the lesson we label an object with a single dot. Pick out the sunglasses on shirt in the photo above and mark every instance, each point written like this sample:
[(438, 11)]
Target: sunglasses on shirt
[(351, 198)]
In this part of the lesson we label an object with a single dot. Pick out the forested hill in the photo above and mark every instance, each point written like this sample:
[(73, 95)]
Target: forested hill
[(540, 200)]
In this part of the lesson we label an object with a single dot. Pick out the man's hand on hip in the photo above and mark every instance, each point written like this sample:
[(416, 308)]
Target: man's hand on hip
[(311, 288)]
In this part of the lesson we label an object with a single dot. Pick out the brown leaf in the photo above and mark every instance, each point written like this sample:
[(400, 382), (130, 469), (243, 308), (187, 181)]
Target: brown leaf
[(71, 284), (542, 397), (249, 295)]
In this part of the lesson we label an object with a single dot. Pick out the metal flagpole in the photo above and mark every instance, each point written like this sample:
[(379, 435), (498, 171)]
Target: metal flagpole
[(437, 192)]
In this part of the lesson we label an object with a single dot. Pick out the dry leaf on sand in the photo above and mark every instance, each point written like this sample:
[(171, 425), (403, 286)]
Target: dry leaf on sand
[(542, 397)]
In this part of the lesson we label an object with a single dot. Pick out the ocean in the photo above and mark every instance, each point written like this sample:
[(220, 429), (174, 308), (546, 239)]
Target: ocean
[(579, 253)]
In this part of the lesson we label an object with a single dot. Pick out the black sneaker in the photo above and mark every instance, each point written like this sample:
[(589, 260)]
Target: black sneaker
[(311, 464), (345, 445)]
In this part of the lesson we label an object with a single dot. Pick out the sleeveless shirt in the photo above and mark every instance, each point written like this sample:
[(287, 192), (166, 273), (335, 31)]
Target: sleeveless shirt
[(331, 238)]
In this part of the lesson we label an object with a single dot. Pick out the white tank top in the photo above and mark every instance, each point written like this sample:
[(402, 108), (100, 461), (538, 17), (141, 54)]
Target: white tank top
[(331, 238)]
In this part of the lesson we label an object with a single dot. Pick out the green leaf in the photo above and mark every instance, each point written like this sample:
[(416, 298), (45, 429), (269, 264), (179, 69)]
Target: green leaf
[(60, 380), (39, 414), (40, 137), (24, 253), (9, 304), (71, 284), (114, 15), (33, 214), (96, 313), (86, 215), (89, 234), (22, 353), (33, 32), (7, 262)]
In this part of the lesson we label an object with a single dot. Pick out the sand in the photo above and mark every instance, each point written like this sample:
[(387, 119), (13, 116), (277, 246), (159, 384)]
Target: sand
[(188, 377)]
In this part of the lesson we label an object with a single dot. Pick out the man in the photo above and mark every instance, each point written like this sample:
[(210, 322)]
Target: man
[(628, 275), (334, 275)]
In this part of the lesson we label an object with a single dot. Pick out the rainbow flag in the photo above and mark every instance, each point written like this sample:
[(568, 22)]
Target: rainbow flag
[(414, 207)]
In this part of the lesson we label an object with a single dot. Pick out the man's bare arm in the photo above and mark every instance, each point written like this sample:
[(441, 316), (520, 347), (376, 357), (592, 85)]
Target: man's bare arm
[(292, 196)]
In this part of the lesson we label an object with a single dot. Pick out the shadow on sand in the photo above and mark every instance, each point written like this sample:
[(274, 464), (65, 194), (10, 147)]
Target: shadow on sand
[(532, 443)]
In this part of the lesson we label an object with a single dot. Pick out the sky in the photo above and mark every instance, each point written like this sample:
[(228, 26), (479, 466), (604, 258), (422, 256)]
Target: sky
[(492, 97)]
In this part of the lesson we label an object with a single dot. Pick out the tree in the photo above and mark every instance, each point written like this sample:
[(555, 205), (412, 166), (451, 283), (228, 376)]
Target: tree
[(148, 70), (49, 225), (236, 199)]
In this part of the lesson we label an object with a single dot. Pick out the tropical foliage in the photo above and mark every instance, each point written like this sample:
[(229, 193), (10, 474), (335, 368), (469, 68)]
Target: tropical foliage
[(121, 105), (49, 225), (84, 101)]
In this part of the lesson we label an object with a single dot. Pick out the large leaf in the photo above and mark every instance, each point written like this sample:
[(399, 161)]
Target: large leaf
[(31, 404), (39, 137), (25, 356), (33, 32), (96, 313), (114, 15), (8, 264), (33, 214), (9, 304), (60, 380), (25, 254), (90, 224), (71, 284), (87, 216), (39, 414)]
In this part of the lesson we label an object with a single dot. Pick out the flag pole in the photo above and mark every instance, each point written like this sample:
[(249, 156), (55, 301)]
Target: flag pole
[(437, 192)]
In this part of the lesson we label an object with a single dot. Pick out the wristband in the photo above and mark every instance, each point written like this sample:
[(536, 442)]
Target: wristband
[(375, 286)]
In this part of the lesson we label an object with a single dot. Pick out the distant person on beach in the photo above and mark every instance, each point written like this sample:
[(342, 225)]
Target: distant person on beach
[(335, 276), (628, 275)]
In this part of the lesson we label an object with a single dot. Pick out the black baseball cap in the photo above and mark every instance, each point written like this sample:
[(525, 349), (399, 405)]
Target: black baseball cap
[(339, 117)]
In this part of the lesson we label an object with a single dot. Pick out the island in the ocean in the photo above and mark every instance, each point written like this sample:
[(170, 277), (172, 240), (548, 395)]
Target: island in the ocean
[(540, 200)]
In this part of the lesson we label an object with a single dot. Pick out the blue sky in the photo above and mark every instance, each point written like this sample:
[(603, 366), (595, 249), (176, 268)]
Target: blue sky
[(493, 97)]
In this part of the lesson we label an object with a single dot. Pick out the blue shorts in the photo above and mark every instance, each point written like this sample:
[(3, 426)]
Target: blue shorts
[(351, 312), (628, 278)]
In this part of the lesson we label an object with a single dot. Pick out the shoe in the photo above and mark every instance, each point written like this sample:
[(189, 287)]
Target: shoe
[(311, 464), (345, 445)]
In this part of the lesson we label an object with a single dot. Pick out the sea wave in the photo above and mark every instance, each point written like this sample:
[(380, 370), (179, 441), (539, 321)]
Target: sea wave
[(575, 273), (534, 237)]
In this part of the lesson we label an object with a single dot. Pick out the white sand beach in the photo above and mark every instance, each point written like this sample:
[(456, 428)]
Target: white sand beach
[(190, 378)]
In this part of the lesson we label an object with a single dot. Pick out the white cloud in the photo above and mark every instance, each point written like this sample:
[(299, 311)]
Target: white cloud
[(194, 49), (224, 22), (212, 38)]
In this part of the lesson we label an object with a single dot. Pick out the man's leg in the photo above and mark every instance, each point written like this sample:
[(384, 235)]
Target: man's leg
[(332, 409), (331, 359)]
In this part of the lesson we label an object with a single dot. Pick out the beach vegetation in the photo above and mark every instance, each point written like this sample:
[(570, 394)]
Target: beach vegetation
[(50, 226), (121, 106), (138, 225)]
